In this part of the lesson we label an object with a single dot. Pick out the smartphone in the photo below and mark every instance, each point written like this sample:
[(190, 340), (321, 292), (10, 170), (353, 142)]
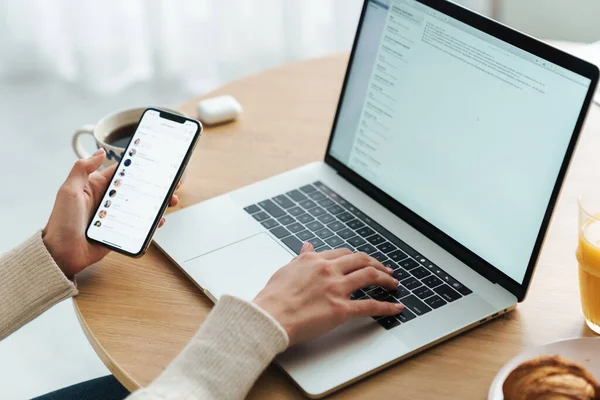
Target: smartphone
[(140, 190)]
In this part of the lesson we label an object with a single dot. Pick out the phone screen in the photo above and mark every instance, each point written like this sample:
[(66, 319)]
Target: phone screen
[(144, 178)]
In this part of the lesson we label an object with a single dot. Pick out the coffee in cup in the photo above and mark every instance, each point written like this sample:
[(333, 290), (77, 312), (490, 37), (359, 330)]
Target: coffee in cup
[(112, 133)]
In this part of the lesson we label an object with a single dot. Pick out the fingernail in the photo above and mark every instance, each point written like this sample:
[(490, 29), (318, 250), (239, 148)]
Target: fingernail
[(304, 246), (98, 152), (390, 270), (399, 306), (396, 281)]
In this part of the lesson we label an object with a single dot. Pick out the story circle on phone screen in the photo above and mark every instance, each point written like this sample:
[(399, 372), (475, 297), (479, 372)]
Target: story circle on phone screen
[(127, 162), (132, 152), (117, 183), (112, 193), (107, 203), (122, 173)]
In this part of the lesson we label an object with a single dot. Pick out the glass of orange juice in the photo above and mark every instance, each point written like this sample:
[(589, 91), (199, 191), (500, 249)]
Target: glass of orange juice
[(588, 256)]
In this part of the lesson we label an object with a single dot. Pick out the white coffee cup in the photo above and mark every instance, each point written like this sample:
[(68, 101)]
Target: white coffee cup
[(106, 126)]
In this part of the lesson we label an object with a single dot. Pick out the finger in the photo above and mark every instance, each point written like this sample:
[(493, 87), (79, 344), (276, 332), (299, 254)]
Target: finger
[(84, 167), (108, 172), (336, 253), (353, 262), (174, 201), (161, 223), (372, 308), (367, 277), (307, 248), (178, 186)]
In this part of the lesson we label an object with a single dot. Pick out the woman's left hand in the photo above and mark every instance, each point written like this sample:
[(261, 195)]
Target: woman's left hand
[(76, 201)]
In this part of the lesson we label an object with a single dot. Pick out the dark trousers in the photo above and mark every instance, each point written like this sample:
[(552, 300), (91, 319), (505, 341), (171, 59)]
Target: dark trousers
[(105, 388)]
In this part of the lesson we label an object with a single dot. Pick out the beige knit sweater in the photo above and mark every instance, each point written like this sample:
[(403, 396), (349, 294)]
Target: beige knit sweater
[(222, 361)]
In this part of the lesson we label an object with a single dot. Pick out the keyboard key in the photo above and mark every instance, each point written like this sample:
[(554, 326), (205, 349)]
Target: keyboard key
[(307, 204), (314, 226), (317, 211), (406, 316), (366, 248), (296, 195), (390, 264), (295, 211), (423, 292), (305, 218), (410, 283), (334, 241), (326, 203), (387, 247), (280, 232), (344, 217), (283, 201), (388, 322), (260, 216), (400, 292), (435, 302), (375, 239), (346, 233), (345, 246), (335, 209), (355, 224), (286, 220), (382, 296), (274, 210), (308, 189), (357, 294), (456, 285), (432, 281), (322, 249), (365, 231), (409, 264), (316, 196), (295, 227), (252, 209), (305, 235), (316, 242), (270, 223), (447, 293), (379, 256), (400, 274), (374, 290), (336, 226), (420, 272), (324, 233), (415, 305), (326, 218), (293, 243), (397, 255), (356, 241)]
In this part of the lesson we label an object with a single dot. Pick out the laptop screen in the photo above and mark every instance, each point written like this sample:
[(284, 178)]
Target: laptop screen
[(465, 130)]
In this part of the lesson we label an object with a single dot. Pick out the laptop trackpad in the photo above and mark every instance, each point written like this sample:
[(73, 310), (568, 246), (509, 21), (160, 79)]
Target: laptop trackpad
[(241, 269)]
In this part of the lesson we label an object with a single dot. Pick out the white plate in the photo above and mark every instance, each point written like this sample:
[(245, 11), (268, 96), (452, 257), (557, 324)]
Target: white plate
[(585, 351)]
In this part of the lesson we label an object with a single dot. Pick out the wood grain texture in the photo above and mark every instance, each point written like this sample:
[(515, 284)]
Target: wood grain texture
[(139, 314)]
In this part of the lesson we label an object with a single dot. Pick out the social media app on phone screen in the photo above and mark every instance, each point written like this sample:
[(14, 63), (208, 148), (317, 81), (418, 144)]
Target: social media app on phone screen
[(142, 181)]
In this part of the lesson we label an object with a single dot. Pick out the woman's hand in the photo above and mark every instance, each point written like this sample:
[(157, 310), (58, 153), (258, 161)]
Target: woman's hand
[(76, 201), (311, 295)]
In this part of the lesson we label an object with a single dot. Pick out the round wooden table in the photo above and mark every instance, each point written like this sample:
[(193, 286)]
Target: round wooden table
[(138, 314)]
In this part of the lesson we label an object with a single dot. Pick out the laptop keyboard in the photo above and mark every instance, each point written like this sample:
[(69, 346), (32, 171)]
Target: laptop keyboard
[(316, 214)]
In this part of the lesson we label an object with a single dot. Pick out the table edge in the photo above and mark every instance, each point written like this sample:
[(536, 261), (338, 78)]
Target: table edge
[(123, 377)]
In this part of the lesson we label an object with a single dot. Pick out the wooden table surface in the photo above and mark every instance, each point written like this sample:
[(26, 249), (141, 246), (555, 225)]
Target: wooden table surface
[(138, 314)]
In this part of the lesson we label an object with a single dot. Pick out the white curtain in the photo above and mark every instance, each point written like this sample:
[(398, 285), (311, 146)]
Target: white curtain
[(107, 45)]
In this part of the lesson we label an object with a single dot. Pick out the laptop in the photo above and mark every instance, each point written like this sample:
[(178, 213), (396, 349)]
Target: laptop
[(448, 150)]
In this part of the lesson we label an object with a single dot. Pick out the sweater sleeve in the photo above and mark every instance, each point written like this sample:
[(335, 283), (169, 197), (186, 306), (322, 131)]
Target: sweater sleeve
[(228, 353), (30, 283)]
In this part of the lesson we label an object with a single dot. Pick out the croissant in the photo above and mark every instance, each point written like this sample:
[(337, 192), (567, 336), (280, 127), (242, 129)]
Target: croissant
[(550, 378)]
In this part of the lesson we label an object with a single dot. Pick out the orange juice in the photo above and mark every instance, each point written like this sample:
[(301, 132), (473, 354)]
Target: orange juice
[(588, 256)]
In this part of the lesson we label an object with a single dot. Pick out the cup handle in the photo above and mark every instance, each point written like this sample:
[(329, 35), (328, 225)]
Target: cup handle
[(77, 146)]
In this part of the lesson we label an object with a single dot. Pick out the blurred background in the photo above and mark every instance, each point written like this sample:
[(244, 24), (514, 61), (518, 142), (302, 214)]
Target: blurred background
[(65, 63)]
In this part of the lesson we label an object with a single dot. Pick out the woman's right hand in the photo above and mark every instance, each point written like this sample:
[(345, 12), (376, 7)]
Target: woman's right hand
[(311, 295)]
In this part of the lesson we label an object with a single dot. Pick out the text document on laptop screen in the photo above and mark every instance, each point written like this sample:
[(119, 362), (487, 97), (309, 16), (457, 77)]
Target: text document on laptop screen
[(467, 131)]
